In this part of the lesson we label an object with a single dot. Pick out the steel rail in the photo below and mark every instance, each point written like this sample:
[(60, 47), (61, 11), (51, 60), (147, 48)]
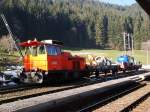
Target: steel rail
[(135, 103), (111, 98)]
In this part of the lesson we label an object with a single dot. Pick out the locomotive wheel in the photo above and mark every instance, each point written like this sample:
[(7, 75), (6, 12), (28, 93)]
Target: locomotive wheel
[(136, 69), (38, 78), (114, 72), (23, 77)]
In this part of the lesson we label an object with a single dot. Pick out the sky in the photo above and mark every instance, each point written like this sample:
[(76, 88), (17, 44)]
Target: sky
[(119, 2)]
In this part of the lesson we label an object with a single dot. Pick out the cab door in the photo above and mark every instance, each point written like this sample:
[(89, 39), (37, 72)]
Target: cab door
[(27, 59), (54, 58), (39, 57)]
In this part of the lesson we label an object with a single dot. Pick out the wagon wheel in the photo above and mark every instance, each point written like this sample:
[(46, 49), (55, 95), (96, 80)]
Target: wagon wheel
[(124, 71), (76, 75), (66, 75)]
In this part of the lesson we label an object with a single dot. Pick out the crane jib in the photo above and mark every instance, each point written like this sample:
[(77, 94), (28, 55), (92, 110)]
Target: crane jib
[(11, 35)]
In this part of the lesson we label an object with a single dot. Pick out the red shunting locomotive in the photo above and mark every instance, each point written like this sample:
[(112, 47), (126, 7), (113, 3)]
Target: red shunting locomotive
[(45, 59)]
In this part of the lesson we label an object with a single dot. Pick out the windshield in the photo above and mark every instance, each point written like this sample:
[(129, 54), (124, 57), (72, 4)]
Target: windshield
[(28, 51), (35, 50)]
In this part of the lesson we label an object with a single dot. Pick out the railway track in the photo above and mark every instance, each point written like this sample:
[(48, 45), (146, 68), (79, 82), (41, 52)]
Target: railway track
[(143, 106), (140, 105), (22, 87), (110, 98), (90, 103), (30, 93), (27, 91), (100, 103), (136, 102), (10, 89), (24, 92), (127, 102)]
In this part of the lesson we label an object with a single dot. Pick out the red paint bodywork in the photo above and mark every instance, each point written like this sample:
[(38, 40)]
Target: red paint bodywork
[(63, 61)]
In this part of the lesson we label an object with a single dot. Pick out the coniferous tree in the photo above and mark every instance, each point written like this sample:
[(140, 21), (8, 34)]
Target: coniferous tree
[(78, 23)]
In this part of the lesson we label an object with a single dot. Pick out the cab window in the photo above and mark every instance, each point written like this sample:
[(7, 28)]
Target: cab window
[(34, 50), (132, 60), (27, 51), (41, 49), (53, 50), (58, 50)]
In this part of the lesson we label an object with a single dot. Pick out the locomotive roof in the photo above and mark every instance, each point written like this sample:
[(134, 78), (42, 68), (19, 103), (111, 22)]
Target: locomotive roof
[(37, 43)]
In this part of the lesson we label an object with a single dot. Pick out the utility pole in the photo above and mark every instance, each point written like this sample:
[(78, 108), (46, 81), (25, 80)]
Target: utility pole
[(147, 49), (147, 55), (124, 41), (128, 42), (132, 42)]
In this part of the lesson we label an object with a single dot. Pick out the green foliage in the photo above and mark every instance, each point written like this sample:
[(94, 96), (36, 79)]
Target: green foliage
[(78, 23)]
